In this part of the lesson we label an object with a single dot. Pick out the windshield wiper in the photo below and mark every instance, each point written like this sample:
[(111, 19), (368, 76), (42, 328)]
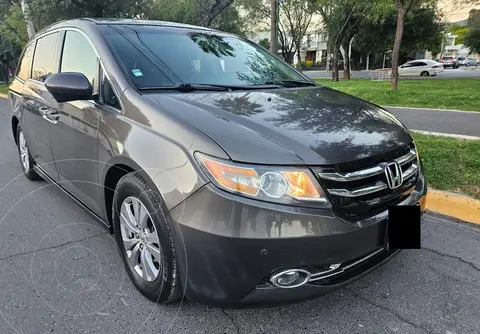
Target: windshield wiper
[(187, 87), (290, 83)]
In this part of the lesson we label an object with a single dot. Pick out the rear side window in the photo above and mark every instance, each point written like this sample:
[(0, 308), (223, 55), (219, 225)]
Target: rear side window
[(79, 56), (26, 62), (44, 61)]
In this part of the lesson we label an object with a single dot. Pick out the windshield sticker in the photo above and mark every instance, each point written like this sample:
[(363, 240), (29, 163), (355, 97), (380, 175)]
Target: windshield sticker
[(136, 72)]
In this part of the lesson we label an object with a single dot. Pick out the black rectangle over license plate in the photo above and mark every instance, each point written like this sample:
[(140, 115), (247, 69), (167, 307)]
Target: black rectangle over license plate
[(403, 227)]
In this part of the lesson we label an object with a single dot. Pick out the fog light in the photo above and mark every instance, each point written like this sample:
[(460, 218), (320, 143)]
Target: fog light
[(291, 278)]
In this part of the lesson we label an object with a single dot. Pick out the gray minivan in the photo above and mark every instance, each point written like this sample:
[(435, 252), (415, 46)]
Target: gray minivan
[(226, 175)]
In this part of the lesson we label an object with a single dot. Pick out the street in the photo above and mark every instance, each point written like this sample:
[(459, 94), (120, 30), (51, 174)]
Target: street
[(451, 122), (60, 272), (448, 73)]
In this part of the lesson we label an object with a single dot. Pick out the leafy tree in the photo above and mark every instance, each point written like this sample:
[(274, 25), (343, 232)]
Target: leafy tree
[(422, 31), (13, 36), (403, 8), (210, 9), (472, 37), (45, 12), (293, 21), (460, 31), (297, 15), (191, 12), (341, 18), (265, 43)]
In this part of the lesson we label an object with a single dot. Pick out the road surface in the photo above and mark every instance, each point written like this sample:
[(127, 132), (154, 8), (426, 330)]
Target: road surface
[(448, 73), (450, 122), (60, 272)]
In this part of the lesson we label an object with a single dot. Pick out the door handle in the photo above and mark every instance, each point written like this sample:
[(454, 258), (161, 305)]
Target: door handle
[(51, 119), (51, 115)]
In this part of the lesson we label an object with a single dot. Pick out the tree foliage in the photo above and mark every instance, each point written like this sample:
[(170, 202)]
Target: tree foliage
[(422, 31), (341, 20), (265, 43), (460, 31), (472, 37), (13, 36)]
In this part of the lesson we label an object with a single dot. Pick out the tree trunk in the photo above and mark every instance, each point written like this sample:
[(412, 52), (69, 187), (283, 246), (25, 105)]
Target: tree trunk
[(335, 62), (346, 62), (396, 46), (273, 27), (28, 21), (4, 76), (299, 57)]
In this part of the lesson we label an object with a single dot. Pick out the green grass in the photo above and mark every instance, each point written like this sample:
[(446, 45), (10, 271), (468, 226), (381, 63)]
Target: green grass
[(461, 94), (3, 89), (451, 164)]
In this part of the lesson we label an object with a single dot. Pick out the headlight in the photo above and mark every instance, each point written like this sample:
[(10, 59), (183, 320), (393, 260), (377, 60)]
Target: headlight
[(287, 185)]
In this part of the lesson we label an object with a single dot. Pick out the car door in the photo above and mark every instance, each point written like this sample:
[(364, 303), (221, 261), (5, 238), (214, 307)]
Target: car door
[(404, 69), (74, 133), (36, 103), (422, 67), (414, 69)]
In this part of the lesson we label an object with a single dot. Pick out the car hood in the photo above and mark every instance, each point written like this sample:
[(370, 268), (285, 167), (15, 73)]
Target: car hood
[(311, 125)]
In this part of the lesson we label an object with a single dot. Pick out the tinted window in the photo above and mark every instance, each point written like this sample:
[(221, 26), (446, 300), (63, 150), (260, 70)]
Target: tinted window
[(78, 56), (108, 94), (44, 61), (193, 56), (26, 62)]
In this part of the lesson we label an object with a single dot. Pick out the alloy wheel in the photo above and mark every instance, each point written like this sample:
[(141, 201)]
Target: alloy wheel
[(24, 156), (140, 239)]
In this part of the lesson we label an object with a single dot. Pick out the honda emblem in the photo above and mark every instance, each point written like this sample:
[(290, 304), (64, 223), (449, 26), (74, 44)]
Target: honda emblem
[(393, 173)]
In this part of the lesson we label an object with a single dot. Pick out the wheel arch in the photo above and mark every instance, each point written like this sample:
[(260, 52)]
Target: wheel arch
[(113, 172), (15, 123)]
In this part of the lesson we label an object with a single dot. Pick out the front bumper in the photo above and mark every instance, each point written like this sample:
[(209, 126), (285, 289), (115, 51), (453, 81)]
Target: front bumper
[(228, 246)]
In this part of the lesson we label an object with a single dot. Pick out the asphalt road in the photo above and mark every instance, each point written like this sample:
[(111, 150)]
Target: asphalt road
[(451, 122), (60, 272), (448, 73)]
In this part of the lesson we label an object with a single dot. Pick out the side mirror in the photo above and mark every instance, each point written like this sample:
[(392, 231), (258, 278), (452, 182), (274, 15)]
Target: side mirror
[(69, 86)]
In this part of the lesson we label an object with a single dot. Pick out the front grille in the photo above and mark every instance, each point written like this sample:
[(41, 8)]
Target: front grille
[(359, 193)]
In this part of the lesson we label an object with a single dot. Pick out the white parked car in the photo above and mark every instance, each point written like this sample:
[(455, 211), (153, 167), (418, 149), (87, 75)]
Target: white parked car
[(420, 67)]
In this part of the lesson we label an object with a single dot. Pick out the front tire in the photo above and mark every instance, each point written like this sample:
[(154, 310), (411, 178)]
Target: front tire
[(145, 241), (26, 159)]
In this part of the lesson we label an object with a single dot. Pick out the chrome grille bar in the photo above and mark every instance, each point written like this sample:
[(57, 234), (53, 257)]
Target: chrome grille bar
[(359, 192), (323, 275), (367, 172)]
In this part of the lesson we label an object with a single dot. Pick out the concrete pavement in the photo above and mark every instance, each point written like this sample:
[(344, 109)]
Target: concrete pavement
[(60, 272)]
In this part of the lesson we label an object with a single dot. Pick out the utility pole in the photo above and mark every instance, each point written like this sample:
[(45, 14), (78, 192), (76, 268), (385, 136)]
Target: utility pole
[(28, 21), (273, 27)]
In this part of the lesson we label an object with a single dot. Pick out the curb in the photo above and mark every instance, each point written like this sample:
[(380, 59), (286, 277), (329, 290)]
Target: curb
[(449, 204), (3, 96), (441, 134), (430, 109)]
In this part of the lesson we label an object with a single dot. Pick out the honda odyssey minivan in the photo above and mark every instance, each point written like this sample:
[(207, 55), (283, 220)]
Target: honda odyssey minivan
[(226, 175)]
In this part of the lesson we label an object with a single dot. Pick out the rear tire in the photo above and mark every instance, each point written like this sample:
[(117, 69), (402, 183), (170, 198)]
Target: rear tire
[(26, 159), (424, 74), (145, 240)]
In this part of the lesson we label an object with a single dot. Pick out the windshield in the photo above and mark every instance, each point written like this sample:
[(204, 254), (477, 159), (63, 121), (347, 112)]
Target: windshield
[(156, 56)]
